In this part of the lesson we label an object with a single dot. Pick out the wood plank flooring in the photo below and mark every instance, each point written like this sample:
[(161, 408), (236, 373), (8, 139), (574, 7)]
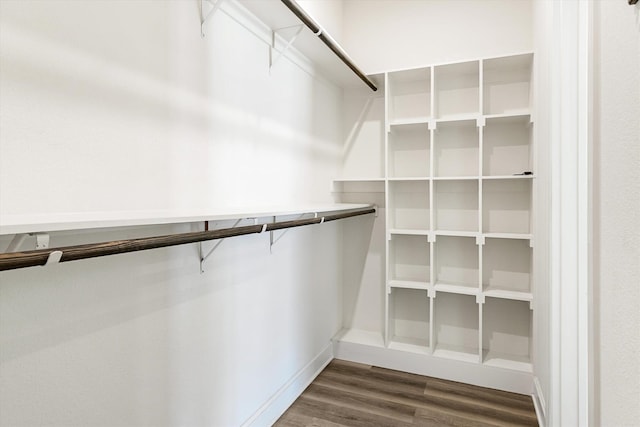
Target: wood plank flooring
[(351, 394)]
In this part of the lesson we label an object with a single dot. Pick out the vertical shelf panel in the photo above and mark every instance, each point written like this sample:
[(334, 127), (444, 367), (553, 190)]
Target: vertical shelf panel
[(507, 146), (410, 96), (456, 205), (409, 260), (409, 205), (506, 206), (507, 334), (507, 84), (456, 327), (457, 262), (457, 89), (409, 150), (506, 266), (409, 320), (456, 149)]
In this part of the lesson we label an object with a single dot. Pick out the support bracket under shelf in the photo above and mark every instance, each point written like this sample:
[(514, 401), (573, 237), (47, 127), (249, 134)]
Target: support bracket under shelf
[(203, 18), (280, 53)]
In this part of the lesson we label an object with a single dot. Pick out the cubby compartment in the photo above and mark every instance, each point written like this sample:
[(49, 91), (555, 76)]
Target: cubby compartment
[(506, 334), (456, 149), (506, 206), (507, 84), (409, 208), (456, 327), (409, 261), (409, 96), (409, 150), (457, 261), (507, 146), (409, 320), (506, 268), (456, 205), (457, 90)]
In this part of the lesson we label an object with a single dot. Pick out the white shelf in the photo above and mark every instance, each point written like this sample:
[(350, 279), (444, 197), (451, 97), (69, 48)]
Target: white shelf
[(275, 15), (507, 177), (409, 318), (507, 294), (456, 178), (409, 345), (507, 84), (409, 179), (452, 118), (417, 122), (506, 333), (409, 96), (18, 224), (457, 90), (459, 247), (359, 336), (359, 180), (460, 289), (455, 233), (408, 232), (517, 236), (523, 115), (409, 284), (462, 353), (507, 361)]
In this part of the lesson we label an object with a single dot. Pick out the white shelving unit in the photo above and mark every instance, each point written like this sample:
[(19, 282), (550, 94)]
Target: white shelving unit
[(459, 189)]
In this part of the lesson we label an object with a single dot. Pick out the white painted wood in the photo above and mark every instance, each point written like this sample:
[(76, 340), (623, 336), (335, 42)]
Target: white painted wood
[(571, 351), (275, 406), (457, 90), (454, 366), (16, 224), (507, 84), (459, 213)]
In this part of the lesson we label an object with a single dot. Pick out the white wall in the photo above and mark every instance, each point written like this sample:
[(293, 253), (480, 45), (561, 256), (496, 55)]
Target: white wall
[(617, 212), (122, 106), (393, 34)]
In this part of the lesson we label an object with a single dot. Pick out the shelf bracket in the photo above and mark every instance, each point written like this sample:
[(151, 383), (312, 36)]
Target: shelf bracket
[(273, 240), (215, 246), (203, 18), (480, 299), (16, 242), (281, 53)]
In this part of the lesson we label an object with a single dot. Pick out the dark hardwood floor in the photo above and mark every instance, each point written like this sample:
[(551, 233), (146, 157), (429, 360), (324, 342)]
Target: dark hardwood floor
[(351, 394)]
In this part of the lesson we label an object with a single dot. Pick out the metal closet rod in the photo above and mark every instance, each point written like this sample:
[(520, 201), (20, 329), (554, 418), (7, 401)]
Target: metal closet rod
[(15, 260), (326, 39)]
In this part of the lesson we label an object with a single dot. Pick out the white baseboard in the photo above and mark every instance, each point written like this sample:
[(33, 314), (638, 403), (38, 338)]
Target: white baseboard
[(277, 404), (438, 367), (539, 403)]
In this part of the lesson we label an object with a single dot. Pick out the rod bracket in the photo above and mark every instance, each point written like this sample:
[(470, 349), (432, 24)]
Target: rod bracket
[(42, 240)]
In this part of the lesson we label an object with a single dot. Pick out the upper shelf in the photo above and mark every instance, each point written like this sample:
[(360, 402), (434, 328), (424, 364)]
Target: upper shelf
[(276, 15), (20, 224)]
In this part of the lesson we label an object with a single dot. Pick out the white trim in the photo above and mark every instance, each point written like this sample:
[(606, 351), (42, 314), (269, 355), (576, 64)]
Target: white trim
[(474, 373), (276, 405), (570, 394), (539, 403)]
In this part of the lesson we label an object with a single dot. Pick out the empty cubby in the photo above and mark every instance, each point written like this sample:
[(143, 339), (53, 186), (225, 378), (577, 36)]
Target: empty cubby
[(409, 151), (506, 334), (507, 84), (409, 207), (409, 320), (409, 95)]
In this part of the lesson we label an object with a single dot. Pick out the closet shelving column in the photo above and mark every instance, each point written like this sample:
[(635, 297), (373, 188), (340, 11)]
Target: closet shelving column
[(408, 149), (458, 225), (507, 207), (456, 201)]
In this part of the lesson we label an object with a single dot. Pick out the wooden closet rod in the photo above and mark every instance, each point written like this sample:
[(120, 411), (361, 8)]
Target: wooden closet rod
[(14, 260), (326, 39)]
